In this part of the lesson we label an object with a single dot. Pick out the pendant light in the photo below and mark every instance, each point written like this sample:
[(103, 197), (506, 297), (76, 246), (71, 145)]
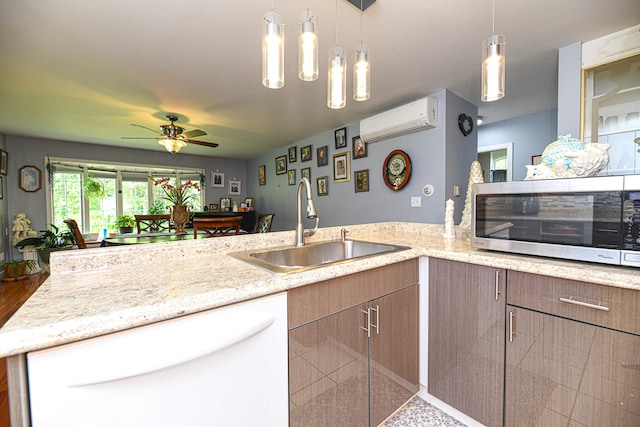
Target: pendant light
[(361, 69), (337, 85), (273, 50), (493, 63), (308, 47)]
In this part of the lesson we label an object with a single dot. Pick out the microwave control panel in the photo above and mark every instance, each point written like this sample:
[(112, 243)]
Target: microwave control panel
[(631, 220)]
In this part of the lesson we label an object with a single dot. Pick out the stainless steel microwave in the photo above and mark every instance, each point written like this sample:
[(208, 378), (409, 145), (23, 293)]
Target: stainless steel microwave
[(587, 219)]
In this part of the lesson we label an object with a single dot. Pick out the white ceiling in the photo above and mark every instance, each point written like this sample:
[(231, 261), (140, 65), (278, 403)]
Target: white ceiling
[(80, 70)]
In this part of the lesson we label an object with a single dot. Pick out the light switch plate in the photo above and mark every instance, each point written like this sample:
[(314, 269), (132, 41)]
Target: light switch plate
[(416, 202)]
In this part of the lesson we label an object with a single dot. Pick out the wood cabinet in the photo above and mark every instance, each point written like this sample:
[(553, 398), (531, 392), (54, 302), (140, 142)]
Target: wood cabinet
[(353, 347), (466, 338), (572, 353)]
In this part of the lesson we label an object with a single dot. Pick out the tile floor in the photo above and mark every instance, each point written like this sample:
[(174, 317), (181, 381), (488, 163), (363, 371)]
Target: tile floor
[(418, 413)]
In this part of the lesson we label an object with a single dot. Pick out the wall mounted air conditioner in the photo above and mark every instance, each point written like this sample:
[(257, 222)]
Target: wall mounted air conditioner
[(418, 115)]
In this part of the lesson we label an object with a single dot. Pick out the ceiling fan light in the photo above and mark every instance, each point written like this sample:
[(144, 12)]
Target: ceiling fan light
[(273, 51), (172, 145)]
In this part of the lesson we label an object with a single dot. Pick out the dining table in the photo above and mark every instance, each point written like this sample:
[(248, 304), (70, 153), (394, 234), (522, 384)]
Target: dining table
[(137, 239), (142, 238)]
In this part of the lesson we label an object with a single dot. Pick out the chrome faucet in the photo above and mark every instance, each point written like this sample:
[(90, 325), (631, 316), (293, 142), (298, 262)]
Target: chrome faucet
[(343, 234), (301, 233)]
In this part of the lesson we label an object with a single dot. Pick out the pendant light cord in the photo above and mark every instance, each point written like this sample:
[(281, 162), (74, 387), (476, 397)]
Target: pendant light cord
[(493, 17), (361, 24), (336, 23)]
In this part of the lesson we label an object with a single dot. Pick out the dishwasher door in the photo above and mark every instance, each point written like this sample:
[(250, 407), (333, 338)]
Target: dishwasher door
[(223, 367)]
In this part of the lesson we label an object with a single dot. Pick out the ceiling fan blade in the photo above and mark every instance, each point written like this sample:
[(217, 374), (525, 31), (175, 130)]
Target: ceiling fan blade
[(138, 137), (204, 144), (144, 127), (194, 133)]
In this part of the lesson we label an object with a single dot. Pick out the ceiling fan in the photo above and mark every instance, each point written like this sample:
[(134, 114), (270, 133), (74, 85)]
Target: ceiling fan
[(173, 137)]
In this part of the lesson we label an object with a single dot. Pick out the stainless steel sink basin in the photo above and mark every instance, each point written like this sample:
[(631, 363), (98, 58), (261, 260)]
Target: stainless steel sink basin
[(292, 259)]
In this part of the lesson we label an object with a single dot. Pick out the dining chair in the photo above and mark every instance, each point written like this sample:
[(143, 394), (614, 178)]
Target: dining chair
[(157, 223), (263, 224), (214, 227), (75, 231)]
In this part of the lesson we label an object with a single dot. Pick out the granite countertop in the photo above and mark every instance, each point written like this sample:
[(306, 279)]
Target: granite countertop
[(99, 291)]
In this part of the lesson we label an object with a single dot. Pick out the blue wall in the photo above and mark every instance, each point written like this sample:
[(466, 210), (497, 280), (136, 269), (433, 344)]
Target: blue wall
[(440, 157), (529, 134), (34, 151)]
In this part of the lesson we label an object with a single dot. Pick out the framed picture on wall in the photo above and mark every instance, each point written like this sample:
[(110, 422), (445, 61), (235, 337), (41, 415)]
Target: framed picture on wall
[(30, 179), (322, 183), (262, 175), (1, 189), (235, 187), (305, 153), (281, 165), (293, 156), (361, 180), (341, 169), (217, 180), (323, 155), (306, 173), (341, 138), (4, 158), (536, 160), (292, 177), (359, 147)]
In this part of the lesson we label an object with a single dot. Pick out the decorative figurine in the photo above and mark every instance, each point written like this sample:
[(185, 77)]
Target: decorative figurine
[(475, 176), (449, 231), (570, 158)]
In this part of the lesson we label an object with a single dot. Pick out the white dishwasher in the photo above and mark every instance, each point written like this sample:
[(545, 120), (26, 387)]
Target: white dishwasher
[(223, 367)]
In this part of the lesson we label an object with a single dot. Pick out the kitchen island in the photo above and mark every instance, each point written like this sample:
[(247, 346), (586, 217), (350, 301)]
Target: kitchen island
[(95, 292), (98, 292)]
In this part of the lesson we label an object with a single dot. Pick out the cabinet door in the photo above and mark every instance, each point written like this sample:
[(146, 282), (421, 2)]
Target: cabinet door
[(328, 371), (564, 372), (466, 338), (394, 352)]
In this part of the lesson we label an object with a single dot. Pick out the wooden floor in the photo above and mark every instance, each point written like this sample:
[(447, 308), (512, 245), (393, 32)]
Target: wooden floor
[(4, 398), (12, 296)]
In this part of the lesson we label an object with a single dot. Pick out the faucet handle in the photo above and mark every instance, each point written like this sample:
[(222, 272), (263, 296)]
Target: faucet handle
[(343, 234)]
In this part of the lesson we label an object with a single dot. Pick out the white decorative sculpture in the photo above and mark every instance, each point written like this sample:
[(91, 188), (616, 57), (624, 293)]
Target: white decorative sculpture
[(449, 231), (475, 176), (570, 158), (21, 228)]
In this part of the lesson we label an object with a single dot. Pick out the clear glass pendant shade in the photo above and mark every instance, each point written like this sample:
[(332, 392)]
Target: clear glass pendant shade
[(362, 74), (337, 87), (273, 51), (308, 47), (493, 68)]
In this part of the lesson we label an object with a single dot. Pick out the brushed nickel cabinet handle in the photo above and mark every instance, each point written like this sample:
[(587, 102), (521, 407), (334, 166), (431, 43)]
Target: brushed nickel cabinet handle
[(368, 328), (570, 300), (497, 284), (377, 325), (511, 332)]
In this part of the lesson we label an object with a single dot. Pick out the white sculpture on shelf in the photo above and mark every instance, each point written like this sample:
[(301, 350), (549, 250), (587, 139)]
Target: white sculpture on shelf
[(449, 230), (475, 176), (570, 158), (21, 228)]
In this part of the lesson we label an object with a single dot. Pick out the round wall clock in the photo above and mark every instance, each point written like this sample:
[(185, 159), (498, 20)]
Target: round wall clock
[(396, 170)]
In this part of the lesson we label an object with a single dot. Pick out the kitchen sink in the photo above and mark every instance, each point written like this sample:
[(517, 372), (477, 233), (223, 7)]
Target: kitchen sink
[(291, 259)]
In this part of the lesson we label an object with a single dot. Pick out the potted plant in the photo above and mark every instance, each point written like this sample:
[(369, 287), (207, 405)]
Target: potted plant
[(49, 241), (15, 270), (94, 188), (125, 223), (157, 208)]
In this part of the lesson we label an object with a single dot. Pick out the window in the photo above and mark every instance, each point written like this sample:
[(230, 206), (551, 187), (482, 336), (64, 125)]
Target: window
[(129, 190)]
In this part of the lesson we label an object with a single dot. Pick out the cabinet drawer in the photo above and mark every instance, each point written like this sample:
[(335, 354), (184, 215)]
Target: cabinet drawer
[(317, 300), (607, 306)]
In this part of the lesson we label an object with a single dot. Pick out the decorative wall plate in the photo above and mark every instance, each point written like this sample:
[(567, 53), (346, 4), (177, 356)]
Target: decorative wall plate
[(396, 170), (30, 178), (465, 123)]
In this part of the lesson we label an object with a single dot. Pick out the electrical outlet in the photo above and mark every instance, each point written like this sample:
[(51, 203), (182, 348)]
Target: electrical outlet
[(416, 202)]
